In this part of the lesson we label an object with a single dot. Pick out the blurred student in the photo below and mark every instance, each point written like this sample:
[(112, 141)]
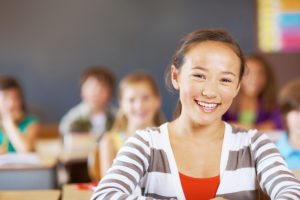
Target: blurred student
[(289, 143), (197, 155), (94, 114), (140, 102), (18, 129), (256, 104)]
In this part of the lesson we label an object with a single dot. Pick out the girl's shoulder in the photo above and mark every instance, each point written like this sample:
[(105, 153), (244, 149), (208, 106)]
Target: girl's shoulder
[(153, 136), (27, 120), (154, 131), (236, 130), (117, 139), (244, 136)]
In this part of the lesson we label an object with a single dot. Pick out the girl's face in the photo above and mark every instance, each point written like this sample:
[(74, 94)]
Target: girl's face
[(139, 104), (11, 103), (255, 79), (293, 121), (207, 81)]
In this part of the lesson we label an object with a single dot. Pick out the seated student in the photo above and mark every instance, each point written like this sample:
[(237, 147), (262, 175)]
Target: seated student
[(18, 129), (139, 101), (256, 106), (94, 113), (197, 155), (289, 143)]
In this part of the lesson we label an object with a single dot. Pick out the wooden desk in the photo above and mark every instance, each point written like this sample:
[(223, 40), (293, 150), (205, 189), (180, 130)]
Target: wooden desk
[(76, 148), (71, 192), (297, 174), (72, 154), (29, 176), (30, 195)]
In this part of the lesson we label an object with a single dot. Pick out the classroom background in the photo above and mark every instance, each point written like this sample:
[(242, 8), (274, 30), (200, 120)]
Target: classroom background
[(47, 44)]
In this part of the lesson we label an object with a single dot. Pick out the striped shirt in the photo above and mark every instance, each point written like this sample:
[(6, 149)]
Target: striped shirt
[(249, 161)]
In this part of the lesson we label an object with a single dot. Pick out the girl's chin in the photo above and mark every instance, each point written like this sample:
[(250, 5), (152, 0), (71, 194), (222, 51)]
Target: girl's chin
[(206, 121), (141, 123)]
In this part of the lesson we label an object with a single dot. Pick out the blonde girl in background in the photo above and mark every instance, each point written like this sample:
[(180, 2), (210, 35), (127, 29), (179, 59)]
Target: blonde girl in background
[(139, 102)]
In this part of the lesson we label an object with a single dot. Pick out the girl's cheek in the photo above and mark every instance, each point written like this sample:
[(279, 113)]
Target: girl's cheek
[(185, 96), (191, 90), (228, 94)]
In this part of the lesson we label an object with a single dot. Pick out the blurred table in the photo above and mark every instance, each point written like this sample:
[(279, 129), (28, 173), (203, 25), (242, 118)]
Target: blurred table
[(72, 192), (28, 171), (72, 152), (30, 195), (74, 148)]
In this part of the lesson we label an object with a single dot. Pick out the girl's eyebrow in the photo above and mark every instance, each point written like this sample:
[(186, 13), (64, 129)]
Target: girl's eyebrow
[(230, 73), (201, 68), (204, 69)]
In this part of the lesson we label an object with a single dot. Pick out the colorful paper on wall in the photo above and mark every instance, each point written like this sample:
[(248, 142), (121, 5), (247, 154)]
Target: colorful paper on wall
[(279, 25)]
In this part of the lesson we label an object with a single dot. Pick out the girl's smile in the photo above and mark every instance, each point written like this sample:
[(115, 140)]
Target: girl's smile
[(207, 107)]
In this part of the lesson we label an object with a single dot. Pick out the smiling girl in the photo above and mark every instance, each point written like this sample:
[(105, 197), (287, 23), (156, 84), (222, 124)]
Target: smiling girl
[(18, 130), (139, 101), (197, 155)]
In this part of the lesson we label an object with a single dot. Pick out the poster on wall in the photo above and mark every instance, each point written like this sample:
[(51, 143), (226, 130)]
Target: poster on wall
[(278, 25)]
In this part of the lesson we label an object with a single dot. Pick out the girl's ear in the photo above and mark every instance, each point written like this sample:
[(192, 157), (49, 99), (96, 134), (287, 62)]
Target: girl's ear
[(174, 77)]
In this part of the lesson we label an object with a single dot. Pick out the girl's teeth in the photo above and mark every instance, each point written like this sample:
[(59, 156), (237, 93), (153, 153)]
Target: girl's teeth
[(208, 105)]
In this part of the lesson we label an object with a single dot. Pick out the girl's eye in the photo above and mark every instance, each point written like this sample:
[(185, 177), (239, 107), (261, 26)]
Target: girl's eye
[(226, 80), (201, 76)]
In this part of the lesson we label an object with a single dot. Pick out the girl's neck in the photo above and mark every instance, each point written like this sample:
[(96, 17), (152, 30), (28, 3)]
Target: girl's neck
[(248, 102), (245, 97), (183, 126)]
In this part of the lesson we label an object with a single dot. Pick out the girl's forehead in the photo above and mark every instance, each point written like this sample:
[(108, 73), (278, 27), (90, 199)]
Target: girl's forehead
[(212, 53), (211, 47)]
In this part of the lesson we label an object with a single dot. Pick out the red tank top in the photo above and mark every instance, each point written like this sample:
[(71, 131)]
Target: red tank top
[(199, 188)]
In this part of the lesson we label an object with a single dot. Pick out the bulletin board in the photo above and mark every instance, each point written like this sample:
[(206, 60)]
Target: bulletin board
[(278, 25)]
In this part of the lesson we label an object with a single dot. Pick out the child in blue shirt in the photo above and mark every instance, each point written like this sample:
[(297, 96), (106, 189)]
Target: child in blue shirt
[(289, 143)]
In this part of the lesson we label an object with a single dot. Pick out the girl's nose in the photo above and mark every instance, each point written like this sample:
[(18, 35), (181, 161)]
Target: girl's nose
[(209, 90)]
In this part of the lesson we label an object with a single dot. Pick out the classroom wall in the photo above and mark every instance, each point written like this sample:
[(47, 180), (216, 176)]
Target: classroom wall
[(286, 66), (47, 44)]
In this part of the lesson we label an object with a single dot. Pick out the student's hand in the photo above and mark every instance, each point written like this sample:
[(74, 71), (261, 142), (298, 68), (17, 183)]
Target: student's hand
[(4, 113), (218, 198), (6, 118)]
